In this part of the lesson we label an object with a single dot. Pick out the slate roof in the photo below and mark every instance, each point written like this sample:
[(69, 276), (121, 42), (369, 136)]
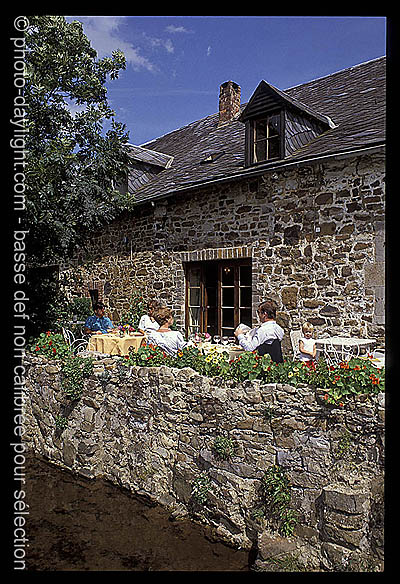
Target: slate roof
[(354, 99)]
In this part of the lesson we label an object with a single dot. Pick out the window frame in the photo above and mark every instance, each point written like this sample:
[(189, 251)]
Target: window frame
[(252, 141), (220, 265)]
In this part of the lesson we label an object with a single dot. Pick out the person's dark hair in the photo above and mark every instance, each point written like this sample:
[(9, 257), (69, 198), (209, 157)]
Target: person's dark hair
[(162, 314), (98, 306), (153, 303), (269, 308)]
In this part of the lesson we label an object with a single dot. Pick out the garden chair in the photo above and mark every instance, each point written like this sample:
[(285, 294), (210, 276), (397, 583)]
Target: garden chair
[(294, 338), (379, 353), (76, 345), (333, 356)]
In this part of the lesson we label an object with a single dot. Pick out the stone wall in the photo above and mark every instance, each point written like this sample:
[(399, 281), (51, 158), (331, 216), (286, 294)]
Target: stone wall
[(153, 431), (315, 234)]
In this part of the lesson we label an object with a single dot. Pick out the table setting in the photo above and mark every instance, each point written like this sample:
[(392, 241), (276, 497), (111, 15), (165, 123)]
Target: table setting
[(116, 343), (216, 343)]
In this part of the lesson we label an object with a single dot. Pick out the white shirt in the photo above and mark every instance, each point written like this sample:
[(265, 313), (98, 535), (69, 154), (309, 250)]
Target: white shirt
[(265, 333), (146, 324), (170, 341), (308, 346)]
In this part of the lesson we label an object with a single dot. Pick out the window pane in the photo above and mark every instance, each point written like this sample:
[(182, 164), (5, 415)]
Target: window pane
[(228, 317), (228, 332), (194, 297), (273, 146), (194, 276), (194, 316), (245, 275), (245, 316), (266, 131), (261, 151), (228, 276), (245, 297), (228, 297), (273, 126), (261, 129)]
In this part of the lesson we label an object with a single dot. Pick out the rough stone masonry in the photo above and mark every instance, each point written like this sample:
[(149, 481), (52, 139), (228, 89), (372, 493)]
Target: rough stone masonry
[(314, 234), (152, 431)]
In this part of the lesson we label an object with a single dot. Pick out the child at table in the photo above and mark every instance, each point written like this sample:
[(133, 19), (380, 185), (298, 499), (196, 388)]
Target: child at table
[(307, 344)]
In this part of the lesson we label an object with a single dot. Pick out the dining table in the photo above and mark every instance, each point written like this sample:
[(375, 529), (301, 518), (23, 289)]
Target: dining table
[(114, 343), (336, 349)]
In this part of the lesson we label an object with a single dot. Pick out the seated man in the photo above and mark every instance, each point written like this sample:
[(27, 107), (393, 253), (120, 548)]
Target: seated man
[(265, 338), (98, 323)]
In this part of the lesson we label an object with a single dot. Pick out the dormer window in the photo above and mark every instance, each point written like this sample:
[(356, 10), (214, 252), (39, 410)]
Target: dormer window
[(278, 125), (265, 138)]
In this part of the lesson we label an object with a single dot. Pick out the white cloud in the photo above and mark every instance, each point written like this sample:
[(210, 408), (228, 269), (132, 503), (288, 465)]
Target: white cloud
[(208, 51), (176, 29), (103, 34), (156, 42)]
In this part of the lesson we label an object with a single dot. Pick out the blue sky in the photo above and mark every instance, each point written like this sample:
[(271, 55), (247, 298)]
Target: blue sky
[(175, 64)]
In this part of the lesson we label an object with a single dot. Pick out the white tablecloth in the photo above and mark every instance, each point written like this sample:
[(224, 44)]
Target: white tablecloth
[(233, 350)]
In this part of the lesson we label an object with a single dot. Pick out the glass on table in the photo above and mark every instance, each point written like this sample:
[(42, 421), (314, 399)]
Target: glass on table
[(216, 339)]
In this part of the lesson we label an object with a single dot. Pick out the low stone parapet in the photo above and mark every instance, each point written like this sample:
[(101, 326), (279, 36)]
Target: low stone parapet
[(202, 447)]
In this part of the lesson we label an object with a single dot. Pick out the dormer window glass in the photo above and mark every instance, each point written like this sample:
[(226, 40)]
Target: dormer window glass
[(266, 138), (278, 125)]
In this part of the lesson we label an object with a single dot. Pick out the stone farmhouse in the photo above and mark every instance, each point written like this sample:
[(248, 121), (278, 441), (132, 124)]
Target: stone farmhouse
[(279, 197)]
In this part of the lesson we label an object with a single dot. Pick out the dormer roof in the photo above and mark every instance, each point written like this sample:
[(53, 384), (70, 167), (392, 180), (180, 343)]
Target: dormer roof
[(267, 99), (151, 157)]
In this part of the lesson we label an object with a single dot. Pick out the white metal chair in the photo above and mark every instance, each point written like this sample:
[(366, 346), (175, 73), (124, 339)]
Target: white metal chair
[(76, 345), (379, 354), (294, 338), (332, 355)]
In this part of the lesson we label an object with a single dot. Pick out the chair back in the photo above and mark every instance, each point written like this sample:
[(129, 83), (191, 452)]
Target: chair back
[(294, 338), (68, 337), (273, 349), (73, 344)]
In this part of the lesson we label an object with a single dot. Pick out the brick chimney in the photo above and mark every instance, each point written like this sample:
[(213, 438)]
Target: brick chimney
[(229, 101)]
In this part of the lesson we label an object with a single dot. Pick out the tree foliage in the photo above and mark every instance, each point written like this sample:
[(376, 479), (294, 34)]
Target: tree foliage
[(73, 164)]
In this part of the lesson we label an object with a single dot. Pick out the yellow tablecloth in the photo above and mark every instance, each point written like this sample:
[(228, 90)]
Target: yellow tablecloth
[(113, 344)]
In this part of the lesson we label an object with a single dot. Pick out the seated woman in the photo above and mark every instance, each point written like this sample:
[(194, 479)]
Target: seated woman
[(98, 323), (168, 340), (147, 322), (265, 338)]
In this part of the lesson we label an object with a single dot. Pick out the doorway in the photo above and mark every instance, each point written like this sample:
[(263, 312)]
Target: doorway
[(218, 296)]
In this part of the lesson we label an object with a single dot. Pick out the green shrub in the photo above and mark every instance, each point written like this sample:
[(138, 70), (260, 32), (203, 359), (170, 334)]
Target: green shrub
[(224, 447), (201, 487), (137, 308), (81, 307), (75, 370), (51, 345), (358, 376), (276, 496)]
